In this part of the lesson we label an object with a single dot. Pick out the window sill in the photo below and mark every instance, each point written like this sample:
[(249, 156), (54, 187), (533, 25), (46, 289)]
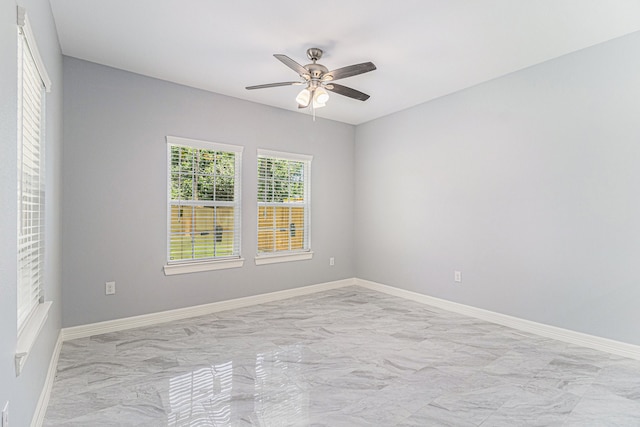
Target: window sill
[(29, 335), (289, 257), (196, 267)]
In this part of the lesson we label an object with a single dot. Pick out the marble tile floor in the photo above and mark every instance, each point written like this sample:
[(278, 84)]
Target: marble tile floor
[(345, 357)]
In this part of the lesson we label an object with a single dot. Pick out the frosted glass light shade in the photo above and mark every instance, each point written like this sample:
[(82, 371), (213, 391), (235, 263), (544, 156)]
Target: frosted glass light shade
[(303, 97), (321, 96)]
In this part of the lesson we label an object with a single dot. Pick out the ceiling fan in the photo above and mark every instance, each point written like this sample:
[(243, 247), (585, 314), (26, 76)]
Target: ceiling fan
[(317, 80)]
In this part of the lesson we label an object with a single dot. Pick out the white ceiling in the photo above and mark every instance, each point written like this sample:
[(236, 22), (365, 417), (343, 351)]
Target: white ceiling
[(423, 49)]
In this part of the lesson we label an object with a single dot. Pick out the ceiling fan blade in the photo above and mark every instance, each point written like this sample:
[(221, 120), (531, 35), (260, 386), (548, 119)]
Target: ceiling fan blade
[(292, 64), (273, 85), (347, 91), (351, 70)]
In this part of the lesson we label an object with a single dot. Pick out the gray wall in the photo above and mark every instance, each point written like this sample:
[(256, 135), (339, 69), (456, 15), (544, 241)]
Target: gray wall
[(115, 192), (23, 392), (528, 184)]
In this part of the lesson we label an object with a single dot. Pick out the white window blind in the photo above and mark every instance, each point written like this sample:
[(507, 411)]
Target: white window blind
[(204, 200), (32, 83), (284, 203)]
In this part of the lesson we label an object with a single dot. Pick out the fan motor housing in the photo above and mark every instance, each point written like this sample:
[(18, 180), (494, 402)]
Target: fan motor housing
[(316, 70)]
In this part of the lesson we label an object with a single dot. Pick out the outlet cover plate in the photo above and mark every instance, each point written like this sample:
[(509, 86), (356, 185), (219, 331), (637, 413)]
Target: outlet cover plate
[(110, 288)]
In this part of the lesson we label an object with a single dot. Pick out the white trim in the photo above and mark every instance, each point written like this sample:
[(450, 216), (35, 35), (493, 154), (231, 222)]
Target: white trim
[(205, 145), (29, 334), (585, 340), (25, 26), (271, 258), (196, 267), (285, 155), (84, 331), (43, 401)]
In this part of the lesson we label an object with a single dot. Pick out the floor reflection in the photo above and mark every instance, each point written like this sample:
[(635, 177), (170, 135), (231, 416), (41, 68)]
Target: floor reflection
[(280, 398), (201, 397), (209, 397)]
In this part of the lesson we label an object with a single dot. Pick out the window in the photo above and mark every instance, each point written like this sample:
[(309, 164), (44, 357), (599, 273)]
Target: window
[(33, 82), (204, 205), (283, 206)]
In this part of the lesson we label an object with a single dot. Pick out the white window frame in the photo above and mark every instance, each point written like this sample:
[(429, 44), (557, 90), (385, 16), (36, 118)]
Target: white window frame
[(214, 263), (33, 84), (305, 253)]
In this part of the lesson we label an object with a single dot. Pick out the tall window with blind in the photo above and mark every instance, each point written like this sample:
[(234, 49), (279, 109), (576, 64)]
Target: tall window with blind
[(283, 203), (33, 82), (204, 201)]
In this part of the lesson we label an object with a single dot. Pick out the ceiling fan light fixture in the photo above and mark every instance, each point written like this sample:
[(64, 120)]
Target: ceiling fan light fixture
[(318, 79), (317, 104), (321, 96), (303, 97)]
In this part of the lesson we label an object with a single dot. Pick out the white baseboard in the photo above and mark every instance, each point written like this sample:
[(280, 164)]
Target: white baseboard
[(560, 334), (43, 401), (91, 329), (603, 344)]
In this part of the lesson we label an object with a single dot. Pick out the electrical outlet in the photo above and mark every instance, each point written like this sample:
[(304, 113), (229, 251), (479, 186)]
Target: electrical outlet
[(332, 261), (457, 276), (5, 415), (110, 288)]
